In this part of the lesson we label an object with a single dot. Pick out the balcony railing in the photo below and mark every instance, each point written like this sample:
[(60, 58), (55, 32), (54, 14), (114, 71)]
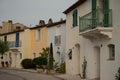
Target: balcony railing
[(88, 22), (12, 44)]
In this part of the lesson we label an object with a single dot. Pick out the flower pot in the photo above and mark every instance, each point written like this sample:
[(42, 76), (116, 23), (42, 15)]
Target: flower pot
[(52, 72), (40, 70)]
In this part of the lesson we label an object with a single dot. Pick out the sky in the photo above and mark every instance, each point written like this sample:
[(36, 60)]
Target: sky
[(29, 12)]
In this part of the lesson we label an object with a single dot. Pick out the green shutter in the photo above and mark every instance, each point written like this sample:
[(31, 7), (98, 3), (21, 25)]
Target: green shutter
[(74, 18), (17, 40), (93, 13), (106, 12), (93, 5)]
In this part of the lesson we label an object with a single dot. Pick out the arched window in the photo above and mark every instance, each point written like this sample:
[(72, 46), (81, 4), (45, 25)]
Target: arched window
[(75, 18), (111, 51)]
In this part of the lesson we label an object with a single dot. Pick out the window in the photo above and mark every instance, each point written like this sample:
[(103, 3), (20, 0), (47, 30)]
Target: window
[(18, 27), (20, 54), (111, 51), (38, 34), (57, 40), (17, 40), (70, 54), (34, 55), (75, 18), (5, 38)]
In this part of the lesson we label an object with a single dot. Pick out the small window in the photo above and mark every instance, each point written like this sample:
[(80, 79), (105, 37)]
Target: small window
[(58, 40), (111, 51), (70, 54), (20, 54), (18, 27), (75, 18), (38, 33), (34, 55), (5, 38)]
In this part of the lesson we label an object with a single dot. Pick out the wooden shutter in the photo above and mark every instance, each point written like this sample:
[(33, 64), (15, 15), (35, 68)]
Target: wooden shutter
[(17, 40), (106, 12), (75, 18)]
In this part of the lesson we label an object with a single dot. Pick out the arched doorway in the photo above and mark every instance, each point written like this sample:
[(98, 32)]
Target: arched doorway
[(77, 58)]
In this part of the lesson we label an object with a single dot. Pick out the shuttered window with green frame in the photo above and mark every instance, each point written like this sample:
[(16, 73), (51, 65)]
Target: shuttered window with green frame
[(106, 12), (93, 13), (75, 17)]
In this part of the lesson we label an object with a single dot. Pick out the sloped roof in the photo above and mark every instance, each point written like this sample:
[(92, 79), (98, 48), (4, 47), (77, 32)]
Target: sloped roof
[(79, 2), (11, 32), (56, 23), (49, 24)]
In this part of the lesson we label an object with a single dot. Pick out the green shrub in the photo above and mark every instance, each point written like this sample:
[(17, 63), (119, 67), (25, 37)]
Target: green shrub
[(62, 68), (40, 61), (27, 64)]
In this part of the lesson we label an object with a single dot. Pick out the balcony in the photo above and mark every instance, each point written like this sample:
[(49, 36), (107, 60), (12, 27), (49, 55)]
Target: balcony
[(94, 27), (12, 44)]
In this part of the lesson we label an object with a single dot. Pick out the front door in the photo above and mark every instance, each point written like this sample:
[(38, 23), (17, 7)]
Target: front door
[(97, 62)]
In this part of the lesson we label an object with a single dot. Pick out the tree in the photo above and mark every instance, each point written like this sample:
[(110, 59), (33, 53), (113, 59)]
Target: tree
[(45, 52), (3, 47), (51, 57)]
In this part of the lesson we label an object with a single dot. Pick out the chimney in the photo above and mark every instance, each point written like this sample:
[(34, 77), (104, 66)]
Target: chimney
[(10, 28), (10, 21), (41, 22), (61, 19), (50, 21)]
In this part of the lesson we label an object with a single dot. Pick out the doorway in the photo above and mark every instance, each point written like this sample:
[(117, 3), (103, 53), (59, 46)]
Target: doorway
[(77, 58), (97, 62)]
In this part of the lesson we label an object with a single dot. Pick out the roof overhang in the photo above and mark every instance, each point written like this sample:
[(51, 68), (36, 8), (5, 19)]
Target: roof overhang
[(79, 2)]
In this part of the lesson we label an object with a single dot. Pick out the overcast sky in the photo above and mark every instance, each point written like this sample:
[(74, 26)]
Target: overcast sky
[(31, 11)]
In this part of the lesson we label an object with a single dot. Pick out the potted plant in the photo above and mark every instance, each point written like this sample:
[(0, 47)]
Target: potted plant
[(39, 69), (118, 74), (2, 63), (84, 65)]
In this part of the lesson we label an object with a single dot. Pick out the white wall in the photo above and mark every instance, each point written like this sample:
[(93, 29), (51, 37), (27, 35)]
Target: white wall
[(52, 32), (107, 68)]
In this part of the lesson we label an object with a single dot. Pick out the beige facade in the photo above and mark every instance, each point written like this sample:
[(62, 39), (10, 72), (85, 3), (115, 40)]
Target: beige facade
[(10, 27), (31, 42)]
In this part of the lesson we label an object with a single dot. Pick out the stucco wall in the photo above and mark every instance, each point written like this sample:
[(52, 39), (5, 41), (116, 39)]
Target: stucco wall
[(52, 32), (108, 68), (38, 45)]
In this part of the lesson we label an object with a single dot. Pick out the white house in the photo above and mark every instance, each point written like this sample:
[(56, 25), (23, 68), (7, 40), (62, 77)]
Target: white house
[(57, 36), (92, 28)]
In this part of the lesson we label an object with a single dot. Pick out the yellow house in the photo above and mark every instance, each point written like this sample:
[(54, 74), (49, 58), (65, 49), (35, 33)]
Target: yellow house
[(18, 37), (38, 38), (24, 42)]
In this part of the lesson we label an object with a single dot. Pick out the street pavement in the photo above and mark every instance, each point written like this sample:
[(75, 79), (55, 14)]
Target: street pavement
[(10, 74)]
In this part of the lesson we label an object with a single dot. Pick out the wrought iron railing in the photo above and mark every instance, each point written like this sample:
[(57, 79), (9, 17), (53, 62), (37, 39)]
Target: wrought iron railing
[(88, 22)]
